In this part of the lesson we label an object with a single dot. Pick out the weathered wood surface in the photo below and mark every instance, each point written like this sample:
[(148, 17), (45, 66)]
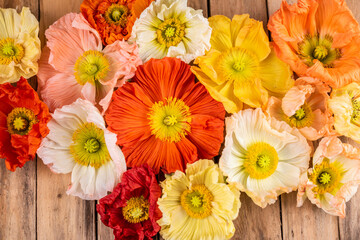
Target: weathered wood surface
[(34, 205)]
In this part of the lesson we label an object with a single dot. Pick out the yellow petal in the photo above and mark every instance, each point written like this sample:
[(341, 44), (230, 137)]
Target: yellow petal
[(275, 75), (253, 94), (221, 35), (253, 38), (208, 63), (237, 23), (223, 93)]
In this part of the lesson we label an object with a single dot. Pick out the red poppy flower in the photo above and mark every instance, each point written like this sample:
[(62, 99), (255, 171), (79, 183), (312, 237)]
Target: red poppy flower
[(164, 118), (113, 19), (131, 209), (23, 123)]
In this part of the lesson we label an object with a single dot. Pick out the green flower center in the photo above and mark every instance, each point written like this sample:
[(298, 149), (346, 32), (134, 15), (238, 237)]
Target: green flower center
[(117, 14), (91, 67), (20, 121), (10, 52), (261, 160), (314, 47), (170, 32), (327, 176), (89, 147), (170, 120), (197, 201), (136, 210), (355, 117), (303, 117), (238, 65)]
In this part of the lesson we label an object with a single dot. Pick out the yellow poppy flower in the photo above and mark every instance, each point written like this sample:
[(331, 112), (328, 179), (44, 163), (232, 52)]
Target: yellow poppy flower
[(19, 45), (241, 66), (198, 204), (344, 103)]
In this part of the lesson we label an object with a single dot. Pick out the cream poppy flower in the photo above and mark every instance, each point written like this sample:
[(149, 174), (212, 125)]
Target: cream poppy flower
[(344, 103), (169, 28), (19, 45), (304, 107), (265, 157), (198, 204), (79, 143), (334, 178)]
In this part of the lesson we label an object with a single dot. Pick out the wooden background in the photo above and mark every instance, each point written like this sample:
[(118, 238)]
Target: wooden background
[(34, 205)]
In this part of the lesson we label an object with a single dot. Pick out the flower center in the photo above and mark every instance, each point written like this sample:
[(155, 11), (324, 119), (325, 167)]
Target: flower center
[(136, 210), (20, 121), (170, 32), (355, 117), (170, 119), (91, 67), (304, 117), (117, 14), (88, 146), (10, 52), (314, 47), (261, 160), (239, 65), (197, 201), (327, 177)]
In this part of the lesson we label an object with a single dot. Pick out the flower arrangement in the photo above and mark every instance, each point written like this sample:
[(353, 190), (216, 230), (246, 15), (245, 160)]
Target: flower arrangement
[(165, 116)]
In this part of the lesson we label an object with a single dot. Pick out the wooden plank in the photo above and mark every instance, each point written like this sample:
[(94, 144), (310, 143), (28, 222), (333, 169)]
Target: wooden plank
[(199, 4), (18, 189), (306, 222), (253, 222), (256, 9), (60, 216)]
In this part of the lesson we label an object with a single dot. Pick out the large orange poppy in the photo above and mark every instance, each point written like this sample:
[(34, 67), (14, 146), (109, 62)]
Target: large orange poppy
[(318, 38), (23, 123), (165, 119), (113, 19)]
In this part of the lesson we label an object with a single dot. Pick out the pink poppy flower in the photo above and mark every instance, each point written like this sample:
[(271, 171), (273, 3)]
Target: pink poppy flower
[(75, 65), (304, 107)]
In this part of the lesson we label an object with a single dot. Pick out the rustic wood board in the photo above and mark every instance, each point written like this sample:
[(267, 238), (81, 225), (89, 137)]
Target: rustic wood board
[(34, 204)]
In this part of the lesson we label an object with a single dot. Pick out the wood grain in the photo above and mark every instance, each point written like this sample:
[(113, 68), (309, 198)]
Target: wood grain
[(306, 222), (18, 189), (256, 9)]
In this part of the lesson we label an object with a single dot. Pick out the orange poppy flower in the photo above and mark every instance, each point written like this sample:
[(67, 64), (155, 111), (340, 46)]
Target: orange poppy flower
[(164, 118), (318, 38), (113, 19), (23, 123)]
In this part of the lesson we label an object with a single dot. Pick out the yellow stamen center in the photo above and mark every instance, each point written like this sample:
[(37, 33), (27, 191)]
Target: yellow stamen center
[(355, 117), (303, 117), (20, 121), (10, 52), (117, 14), (261, 160), (89, 147), (327, 176), (320, 52), (170, 120), (136, 210), (238, 65), (196, 201), (91, 67), (314, 47), (170, 32)]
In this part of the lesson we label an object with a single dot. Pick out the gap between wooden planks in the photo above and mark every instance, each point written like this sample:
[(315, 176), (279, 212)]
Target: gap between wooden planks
[(34, 205)]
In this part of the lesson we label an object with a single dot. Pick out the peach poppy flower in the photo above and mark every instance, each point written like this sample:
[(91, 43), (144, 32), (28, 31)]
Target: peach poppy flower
[(75, 65), (318, 38), (113, 19), (334, 178), (165, 119), (304, 107)]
